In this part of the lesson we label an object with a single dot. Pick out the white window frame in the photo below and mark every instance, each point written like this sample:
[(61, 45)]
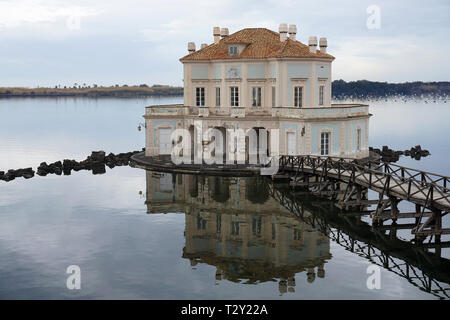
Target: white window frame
[(274, 101), (217, 96), (322, 82), (199, 102), (321, 94), (259, 95), (295, 98), (358, 139), (234, 96), (322, 143)]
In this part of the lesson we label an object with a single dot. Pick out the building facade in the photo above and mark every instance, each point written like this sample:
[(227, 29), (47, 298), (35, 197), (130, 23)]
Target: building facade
[(262, 80)]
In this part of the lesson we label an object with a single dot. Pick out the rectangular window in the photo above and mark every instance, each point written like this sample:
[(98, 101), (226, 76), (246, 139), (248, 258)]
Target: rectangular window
[(297, 234), (217, 96), (234, 96), (273, 97), (200, 97), (256, 97), (298, 97), (201, 223), (273, 231), (358, 139), (321, 95), (256, 226), (235, 228), (324, 143), (233, 51), (218, 223)]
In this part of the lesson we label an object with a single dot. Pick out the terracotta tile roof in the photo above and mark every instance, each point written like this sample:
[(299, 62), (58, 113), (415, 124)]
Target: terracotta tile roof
[(260, 43)]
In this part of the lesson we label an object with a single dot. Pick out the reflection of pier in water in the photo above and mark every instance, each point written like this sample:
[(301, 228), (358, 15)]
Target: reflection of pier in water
[(234, 225), (426, 270), (253, 230)]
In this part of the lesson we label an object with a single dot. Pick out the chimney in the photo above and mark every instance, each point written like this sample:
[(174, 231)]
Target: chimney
[(292, 31), (224, 32), (191, 47), (323, 45), (312, 43), (216, 34), (283, 29), (204, 45)]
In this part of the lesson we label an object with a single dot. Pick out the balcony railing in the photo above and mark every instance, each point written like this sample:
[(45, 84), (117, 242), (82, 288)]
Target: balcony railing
[(333, 111), (237, 112), (167, 110), (203, 112)]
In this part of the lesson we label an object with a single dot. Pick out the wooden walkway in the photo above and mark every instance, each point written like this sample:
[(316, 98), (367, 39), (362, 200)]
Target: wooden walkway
[(393, 183)]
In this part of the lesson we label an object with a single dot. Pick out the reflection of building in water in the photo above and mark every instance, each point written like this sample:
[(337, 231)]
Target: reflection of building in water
[(234, 225)]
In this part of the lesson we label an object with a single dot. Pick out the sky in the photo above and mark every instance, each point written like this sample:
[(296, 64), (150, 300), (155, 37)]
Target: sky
[(108, 42)]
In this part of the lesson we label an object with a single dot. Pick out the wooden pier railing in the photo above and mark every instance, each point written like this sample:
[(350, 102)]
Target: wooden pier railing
[(428, 191)]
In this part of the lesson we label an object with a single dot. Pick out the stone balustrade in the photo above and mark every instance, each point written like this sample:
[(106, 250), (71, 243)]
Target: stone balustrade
[(333, 111)]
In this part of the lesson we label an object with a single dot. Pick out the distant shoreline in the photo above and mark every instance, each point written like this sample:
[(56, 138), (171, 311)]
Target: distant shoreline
[(340, 89), (93, 92)]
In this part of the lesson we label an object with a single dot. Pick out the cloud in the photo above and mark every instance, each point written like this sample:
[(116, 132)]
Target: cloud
[(141, 41), (15, 14), (389, 58)]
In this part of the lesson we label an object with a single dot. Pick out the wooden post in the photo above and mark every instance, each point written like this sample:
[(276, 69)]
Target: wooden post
[(394, 208), (418, 211), (438, 228)]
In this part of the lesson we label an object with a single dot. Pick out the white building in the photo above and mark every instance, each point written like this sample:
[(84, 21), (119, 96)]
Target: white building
[(256, 78)]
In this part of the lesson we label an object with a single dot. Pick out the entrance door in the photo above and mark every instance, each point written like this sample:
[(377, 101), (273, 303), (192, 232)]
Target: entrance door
[(291, 145), (165, 145)]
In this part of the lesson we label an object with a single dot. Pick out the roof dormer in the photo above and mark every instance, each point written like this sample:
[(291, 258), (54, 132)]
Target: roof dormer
[(235, 49)]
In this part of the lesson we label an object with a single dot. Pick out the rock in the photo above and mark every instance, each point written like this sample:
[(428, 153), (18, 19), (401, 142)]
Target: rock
[(95, 162), (68, 164), (110, 157), (58, 170), (9, 176), (110, 164), (27, 173), (98, 156), (58, 164), (98, 168), (42, 172)]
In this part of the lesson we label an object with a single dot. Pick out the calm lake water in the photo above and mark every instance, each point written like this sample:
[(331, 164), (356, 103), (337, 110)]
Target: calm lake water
[(138, 234)]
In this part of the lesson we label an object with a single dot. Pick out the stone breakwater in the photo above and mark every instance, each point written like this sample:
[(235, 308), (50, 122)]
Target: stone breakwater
[(96, 162), (390, 155)]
